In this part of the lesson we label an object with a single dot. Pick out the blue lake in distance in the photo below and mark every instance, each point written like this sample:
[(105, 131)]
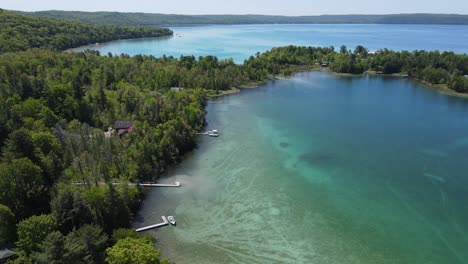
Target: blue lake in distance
[(241, 41)]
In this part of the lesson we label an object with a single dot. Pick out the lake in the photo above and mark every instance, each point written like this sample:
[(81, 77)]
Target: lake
[(318, 168), (322, 168), (241, 41)]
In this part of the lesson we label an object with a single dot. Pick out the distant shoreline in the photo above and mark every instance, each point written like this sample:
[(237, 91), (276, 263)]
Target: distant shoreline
[(170, 20)]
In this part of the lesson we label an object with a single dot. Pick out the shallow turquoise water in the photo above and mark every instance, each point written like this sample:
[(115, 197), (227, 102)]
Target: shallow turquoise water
[(241, 41), (322, 168)]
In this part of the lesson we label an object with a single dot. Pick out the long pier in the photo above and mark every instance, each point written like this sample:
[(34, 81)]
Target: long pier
[(164, 223), (176, 184), (149, 184)]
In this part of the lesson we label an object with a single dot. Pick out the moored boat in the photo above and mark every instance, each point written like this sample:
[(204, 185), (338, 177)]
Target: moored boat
[(213, 133), (171, 220)]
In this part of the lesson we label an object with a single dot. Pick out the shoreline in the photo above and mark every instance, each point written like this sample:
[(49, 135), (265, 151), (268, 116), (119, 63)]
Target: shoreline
[(442, 88), (91, 45), (237, 89)]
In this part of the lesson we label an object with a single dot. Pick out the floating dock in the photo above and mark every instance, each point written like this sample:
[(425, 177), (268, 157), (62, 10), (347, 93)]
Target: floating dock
[(164, 223)]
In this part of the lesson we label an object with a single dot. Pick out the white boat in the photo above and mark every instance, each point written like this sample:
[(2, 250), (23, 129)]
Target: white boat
[(213, 133), (171, 220)]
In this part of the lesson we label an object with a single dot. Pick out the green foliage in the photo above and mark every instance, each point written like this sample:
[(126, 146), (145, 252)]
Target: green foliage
[(21, 259), (20, 145), (435, 75), (361, 50), (280, 60), (458, 83), (123, 233), (33, 231), (85, 245), (346, 63), (20, 32), (51, 250), (109, 208), (7, 226), (132, 251), (343, 49), (70, 210), (22, 187)]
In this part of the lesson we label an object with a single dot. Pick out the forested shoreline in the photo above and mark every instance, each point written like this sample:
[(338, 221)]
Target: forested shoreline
[(55, 108), (151, 19), (447, 69), (19, 33)]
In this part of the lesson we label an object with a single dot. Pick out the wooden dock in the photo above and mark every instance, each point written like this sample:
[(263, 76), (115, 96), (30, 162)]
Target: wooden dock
[(176, 184), (164, 223), (148, 184)]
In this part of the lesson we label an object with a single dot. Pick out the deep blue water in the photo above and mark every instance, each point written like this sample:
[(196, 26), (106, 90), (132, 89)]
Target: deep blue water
[(241, 41)]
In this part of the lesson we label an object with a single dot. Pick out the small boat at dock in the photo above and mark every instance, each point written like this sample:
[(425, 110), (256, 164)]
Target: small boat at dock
[(210, 133), (213, 133), (171, 220)]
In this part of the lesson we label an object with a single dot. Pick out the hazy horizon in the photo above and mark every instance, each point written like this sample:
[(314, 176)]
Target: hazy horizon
[(232, 14), (248, 7)]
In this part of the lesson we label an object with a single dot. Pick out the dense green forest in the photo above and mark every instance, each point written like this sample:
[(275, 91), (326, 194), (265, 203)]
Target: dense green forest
[(148, 19), (55, 108), (18, 33)]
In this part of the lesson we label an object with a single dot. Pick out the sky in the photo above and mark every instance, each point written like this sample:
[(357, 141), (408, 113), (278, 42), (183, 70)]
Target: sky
[(269, 7)]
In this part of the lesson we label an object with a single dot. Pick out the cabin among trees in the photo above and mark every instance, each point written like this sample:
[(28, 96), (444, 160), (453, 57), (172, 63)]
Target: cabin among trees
[(124, 127)]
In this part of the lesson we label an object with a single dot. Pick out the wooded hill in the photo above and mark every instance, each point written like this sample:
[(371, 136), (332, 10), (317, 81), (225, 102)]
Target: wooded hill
[(19, 32), (148, 19)]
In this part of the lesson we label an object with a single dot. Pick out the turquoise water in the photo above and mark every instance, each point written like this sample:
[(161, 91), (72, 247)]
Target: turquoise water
[(322, 168), (241, 41)]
